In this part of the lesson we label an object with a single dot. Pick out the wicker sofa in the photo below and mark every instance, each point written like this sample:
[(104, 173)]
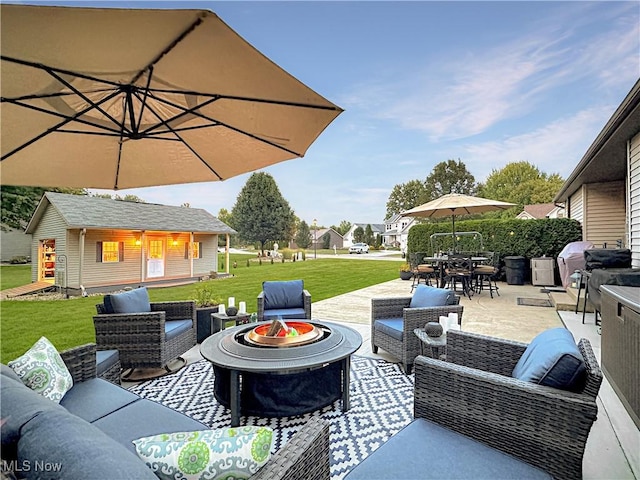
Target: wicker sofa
[(474, 393), (89, 434), (404, 345)]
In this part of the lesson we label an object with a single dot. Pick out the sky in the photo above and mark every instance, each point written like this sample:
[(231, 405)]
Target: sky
[(422, 82)]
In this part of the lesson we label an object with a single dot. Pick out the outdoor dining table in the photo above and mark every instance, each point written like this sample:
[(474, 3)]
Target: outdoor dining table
[(441, 263)]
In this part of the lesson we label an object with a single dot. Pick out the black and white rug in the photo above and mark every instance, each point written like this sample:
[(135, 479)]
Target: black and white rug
[(381, 404)]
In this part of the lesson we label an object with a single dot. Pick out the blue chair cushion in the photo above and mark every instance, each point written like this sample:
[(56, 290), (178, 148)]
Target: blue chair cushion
[(133, 301), (284, 313), (445, 454), (391, 326), (553, 359), (174, 328), (286, 294), (426, 296)]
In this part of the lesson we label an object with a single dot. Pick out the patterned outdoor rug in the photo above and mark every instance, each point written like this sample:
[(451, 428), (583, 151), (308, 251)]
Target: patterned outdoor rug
[(535, 302), (381, 404)]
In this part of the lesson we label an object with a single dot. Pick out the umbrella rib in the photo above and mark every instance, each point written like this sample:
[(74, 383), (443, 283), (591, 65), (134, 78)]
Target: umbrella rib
[(212, 120), (67, 119)]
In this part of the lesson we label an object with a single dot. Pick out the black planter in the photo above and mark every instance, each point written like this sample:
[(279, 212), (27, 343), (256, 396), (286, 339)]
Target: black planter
[(203, 324), (406, 275)]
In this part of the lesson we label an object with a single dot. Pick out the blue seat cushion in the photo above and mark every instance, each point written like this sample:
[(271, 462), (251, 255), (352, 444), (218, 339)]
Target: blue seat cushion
[(443, 453), (76, 449), (174, 328), (95, 398), (426, 296), (133, 301), (283, 294), (390, 326), (553, 359), (132, 422), (284, 313), (105, 359)]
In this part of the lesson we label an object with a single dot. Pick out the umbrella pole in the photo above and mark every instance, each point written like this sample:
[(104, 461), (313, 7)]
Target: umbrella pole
[(453, 218)]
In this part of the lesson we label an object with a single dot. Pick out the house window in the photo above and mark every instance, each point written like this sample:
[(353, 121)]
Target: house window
[(196, 250), (110, 252)]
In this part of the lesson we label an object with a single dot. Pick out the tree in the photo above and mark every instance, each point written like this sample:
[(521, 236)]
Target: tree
[(405, 196), (303, 235), (326, 241), (449, 177), (521, 183), (342, 228), (19, 203), (358, 234), (261, 213), (369, 238)]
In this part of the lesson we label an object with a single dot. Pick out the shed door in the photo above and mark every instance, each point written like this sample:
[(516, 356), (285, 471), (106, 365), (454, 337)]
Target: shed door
[(155, 258)]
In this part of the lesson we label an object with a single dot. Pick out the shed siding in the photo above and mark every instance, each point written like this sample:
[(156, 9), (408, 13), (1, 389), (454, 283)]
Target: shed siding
[(97, 273), (576, 207), (51, 226), (209, 261), (605, 213), (634, 199)]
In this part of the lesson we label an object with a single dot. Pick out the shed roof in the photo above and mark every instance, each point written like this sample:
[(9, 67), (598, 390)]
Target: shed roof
[(82, 211)]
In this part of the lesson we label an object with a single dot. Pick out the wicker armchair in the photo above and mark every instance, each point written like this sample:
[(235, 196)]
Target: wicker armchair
[(143, 339), (305, 456), (408, 347), (474, 393), (289, 300)]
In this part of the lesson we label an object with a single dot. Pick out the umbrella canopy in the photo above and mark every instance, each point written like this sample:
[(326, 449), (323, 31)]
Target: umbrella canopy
[(123, 98), (456, 204)]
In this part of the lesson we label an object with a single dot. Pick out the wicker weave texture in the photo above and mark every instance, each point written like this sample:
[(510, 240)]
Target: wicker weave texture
[(396, 307), (543, 426), (140, 337), (81, 362), (304, 457), (306, 298)]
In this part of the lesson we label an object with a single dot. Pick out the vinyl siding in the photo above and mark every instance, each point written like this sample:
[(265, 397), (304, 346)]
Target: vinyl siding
[(605, 213), (634, 199), (97, 273), (576, 207), (208, 262)]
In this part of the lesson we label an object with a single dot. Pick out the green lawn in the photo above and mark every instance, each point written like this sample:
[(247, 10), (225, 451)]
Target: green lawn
[(14, 276), (68, 323)]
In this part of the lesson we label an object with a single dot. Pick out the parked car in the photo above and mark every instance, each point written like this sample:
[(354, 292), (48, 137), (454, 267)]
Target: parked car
[(359, 248)]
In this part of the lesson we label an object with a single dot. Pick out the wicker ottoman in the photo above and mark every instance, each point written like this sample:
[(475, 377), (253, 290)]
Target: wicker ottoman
[(108, 365)]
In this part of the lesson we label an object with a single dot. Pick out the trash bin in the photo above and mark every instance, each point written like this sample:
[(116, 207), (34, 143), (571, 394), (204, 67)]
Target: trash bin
[(515, 270)]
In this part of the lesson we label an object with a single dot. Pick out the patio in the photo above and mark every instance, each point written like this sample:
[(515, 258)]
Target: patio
[(613, 448)]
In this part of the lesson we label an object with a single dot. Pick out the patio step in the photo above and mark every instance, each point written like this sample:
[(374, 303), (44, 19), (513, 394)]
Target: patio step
[(566, 301)]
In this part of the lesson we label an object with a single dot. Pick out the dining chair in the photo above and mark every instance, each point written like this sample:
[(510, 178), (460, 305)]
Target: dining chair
[(460, 268), (484, 275)]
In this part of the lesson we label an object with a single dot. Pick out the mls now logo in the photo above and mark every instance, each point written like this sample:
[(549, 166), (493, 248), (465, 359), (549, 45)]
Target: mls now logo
[(28, 466)]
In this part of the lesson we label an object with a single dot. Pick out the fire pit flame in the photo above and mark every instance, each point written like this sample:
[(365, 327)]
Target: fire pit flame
[(283, 334)]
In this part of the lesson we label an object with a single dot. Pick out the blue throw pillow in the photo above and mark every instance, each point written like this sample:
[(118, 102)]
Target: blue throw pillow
[(286, 294), (134, 301), (426, 296), (553, 359)]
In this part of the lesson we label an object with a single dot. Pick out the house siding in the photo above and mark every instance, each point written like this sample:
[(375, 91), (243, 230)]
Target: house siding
[(52, 226), (634, 199), (208, 263), (576, 208), (97, 273), (605, 219)]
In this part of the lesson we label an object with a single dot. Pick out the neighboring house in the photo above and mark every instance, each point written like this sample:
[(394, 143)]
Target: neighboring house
[(14, 243), (377, 228), (336, 239), (603, 191), (101, 244), (396, 231), (541, 210)]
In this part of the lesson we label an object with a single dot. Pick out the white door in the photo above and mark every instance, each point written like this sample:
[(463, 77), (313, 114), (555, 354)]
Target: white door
[(155, 258)]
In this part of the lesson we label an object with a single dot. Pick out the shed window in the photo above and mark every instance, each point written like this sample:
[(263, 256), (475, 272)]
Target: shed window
[(196, 250), (109, 252)]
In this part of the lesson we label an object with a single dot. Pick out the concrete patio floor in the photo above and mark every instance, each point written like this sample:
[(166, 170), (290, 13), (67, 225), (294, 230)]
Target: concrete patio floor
[(613, 448)]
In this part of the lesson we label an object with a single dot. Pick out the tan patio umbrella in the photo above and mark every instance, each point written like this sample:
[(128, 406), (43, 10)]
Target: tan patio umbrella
[(123, 98), (456, 204)]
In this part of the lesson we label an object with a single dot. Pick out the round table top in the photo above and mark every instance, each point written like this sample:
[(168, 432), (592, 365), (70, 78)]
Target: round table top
[(223, 351)]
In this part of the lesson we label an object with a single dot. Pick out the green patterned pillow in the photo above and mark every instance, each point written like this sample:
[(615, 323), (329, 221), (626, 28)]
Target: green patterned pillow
[(236, 453), (41, 369)]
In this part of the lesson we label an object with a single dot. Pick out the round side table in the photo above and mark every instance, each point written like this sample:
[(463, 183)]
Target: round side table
[(434, 347)]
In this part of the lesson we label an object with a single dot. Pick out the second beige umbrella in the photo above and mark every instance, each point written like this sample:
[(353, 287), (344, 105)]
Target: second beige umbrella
[(456, 204)]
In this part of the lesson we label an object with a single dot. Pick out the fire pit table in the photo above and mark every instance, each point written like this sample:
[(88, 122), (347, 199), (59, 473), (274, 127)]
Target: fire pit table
[(269, 377)]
